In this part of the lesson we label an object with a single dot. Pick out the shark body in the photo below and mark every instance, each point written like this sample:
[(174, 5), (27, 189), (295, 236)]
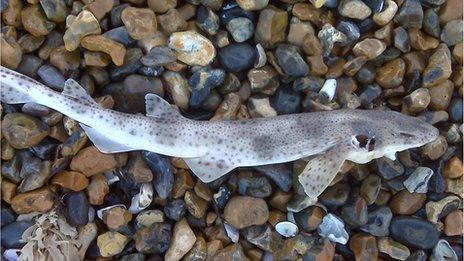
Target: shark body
[(213, 148)]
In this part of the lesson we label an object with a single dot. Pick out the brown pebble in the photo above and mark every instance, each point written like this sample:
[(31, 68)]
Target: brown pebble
[(417, 101), (67, 61), (98, 59), (35, 22), (8, 190), (317, 65), (354, 65), (244, 211), (182, 182), (11, 53), (23, 131), (161, 6), (271, 27), (116, 218), (369, 47), (140, 22), (100, 8), (91, 161), (364, 247), (12, 14), (453, 168), (100, 43), (391, 74), (421, 41), (97, 189), (453, 223), (40, 200), (72, 180), (406, 203), (440, 95), (439, 67)]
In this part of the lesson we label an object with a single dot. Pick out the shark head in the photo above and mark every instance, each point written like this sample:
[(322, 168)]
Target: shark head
[(388, 133)]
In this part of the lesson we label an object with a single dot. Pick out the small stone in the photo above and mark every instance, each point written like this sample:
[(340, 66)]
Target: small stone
[(12, 234), (438, 68), (453, 168), (98, 59), (11, 53), (369, 47), (201, 83), (355, 213), (40, 200), (100, 8), (207, 20), (116, 218), (378, 222), (11, 13), (30, 43), (195, 205), (454, 186), (355, 9), (286, 101), (252, 5), (153, 239), (271, 27), (72, 180), (417, 101), (97, 189), (260, 107), (421, 41), (111, 243), (8, 190), (198, 251), (431, 23), (392, 248), (298, 31), (77, 208), (119, 34), (317, 65), (329, 36), (241, 29), (237, 57), (414, 232), (55, 11), (450, 10), (263, 79), (410, 14), (455, 109), (351, 32), (171, 22), (384, 17), (178, 87), (91, 161), (100, 43), (407, 203), (435, 210), (84, 24), (401, 39), (147, 218), (364, 246), (440, 95), (161, 6), (182, 241), (231, 252), (418, 180), (435, 149), (370, 188), (443, 251), (192, 48), (453, 223), (244, 211), (354, 65), (67, 62), (175, 209), (290, 60), (35, 22), (311, 45), (309, 218), (286, 229), (23, 131), (140, 22), (51, 76), (451, 34)]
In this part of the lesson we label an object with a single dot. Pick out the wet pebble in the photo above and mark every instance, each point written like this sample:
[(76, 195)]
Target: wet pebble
[(289, 58), (333, 228), (164, 180), (241, 29), (378, 222), (153, 239), (410, 14), (12, 234), (207, 20), (175, 209), (244, 211), (417, 181), (414, 232), (77, 209)]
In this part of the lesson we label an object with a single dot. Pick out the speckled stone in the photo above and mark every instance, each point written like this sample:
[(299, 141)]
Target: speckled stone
[(140, 22), (271, 27), (202, 53), (84, 24)]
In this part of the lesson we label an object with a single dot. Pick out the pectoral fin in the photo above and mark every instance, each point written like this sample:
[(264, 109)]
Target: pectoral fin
[(321, 170)]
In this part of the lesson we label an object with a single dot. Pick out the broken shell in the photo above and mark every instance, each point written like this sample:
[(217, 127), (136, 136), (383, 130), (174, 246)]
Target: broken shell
[(111, 177), (232, 232), (12, 254), (143, 199), (261, 58), (102, 210), (286, 229)]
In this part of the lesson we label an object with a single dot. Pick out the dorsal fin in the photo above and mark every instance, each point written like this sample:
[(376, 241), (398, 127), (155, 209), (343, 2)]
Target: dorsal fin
[(75, 90), (158, 107)]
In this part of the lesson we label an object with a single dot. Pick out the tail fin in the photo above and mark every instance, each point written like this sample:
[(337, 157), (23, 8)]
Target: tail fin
[(14, 87)]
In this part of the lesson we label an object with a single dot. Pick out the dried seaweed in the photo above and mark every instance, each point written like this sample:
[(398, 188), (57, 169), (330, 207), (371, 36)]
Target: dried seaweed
[(50, 238)]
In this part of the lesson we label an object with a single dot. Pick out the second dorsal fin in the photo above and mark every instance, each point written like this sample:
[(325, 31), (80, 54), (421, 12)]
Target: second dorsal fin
[(158, 107), (75, 90)]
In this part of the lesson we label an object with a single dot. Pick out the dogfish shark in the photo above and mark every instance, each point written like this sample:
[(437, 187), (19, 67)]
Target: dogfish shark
[(211, 149)]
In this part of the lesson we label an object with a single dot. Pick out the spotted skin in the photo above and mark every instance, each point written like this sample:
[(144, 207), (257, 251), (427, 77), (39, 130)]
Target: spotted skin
[(214, 148)]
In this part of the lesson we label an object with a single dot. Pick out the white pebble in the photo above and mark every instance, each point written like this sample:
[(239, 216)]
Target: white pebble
[(143, 199), (333, 228), (329, 88)]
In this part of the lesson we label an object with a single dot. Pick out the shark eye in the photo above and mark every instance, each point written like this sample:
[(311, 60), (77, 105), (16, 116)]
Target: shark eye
[(365, 142)]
